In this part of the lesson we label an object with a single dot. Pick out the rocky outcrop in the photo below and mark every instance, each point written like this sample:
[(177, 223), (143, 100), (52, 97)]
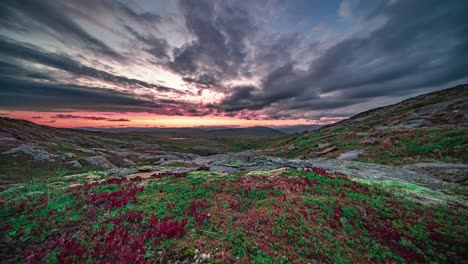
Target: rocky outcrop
[(100, 162), (74, 164), (351, 155), (377, 172), (37, 153), (369, 141), (449, 172)]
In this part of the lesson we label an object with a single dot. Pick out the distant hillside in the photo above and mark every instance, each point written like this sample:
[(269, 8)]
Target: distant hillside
[(447, 107), (431, 127), (249, 131), (194, 132), (297, 128)]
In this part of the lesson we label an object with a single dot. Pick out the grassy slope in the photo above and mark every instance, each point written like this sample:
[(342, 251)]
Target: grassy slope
[(284, 216), (443, 139), (394, 148)]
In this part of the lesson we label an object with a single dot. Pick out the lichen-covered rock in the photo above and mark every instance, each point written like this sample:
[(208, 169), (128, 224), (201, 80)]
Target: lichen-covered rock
[(323, 145), (369, 141), (35, 152), (122, 171), (449, 172), (74, 164), (100, 162), (351, 155)]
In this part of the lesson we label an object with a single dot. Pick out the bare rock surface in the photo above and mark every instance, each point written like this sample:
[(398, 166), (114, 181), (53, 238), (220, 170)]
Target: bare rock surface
[(323, 145), (369, 141), (100, 162), (351, 155), (449, 172), (376, 172), (74, 164), (35, 152)]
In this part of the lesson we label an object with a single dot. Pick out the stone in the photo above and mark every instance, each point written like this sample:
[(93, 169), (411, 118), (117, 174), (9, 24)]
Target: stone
[(68, 155), (448, 172), (74, 164), (223, 169), (323, 145), (128, 161), (369, 141), (35, 152), (122, 171), (291, 147), (2, 138), (351, 155), (327, 150), (100, 162)]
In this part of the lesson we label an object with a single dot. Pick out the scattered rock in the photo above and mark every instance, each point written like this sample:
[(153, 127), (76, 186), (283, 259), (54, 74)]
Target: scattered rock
[(128, 161), (87, 151), (449, 172), (35, 152), (351, 155), (162, 158), (122, 171), (323, 145), (74, 164), (376, 171), (173, 169), (223, 169), (325, 151), (2, 138), (100, 162), (68, 155), (291, 147), (369, 141)]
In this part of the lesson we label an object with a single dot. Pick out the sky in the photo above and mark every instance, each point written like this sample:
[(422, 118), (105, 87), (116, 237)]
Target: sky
[(146, 63)]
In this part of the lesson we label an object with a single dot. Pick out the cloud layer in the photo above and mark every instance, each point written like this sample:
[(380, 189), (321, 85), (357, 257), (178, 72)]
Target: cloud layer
[(252, 60)]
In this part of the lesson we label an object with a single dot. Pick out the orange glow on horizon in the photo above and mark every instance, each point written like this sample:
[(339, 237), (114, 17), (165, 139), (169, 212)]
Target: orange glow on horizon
[(111, 120)]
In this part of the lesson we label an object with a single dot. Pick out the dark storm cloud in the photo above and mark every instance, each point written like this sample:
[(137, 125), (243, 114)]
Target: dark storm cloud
[(416, 48), (205, 80), (220, 32), (96, 118), (34, 96), (119, 120), (50, 15), (20, 94), (59, 61), (156, 47), (66, 116)]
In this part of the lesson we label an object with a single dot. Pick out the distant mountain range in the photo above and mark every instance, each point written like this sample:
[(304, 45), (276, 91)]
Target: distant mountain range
[(259, 131)]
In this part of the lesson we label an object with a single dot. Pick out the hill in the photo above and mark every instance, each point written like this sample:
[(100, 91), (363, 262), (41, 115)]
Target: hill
[(427, 128), (190, 132), (249, 131)]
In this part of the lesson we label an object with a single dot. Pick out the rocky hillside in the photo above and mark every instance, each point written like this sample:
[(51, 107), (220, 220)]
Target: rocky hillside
[(446, 108), (428, 128), (28, 150)]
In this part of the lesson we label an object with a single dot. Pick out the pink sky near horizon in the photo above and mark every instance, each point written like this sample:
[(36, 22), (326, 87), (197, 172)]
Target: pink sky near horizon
[(112, 119)]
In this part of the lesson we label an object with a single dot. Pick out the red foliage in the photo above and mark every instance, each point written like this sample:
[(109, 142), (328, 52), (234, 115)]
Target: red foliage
[(70, 248), (194, 211), (114, 199), (159, 175), (5, 227)]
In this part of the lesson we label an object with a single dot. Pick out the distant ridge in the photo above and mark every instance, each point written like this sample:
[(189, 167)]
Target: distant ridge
[(194, 132)]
